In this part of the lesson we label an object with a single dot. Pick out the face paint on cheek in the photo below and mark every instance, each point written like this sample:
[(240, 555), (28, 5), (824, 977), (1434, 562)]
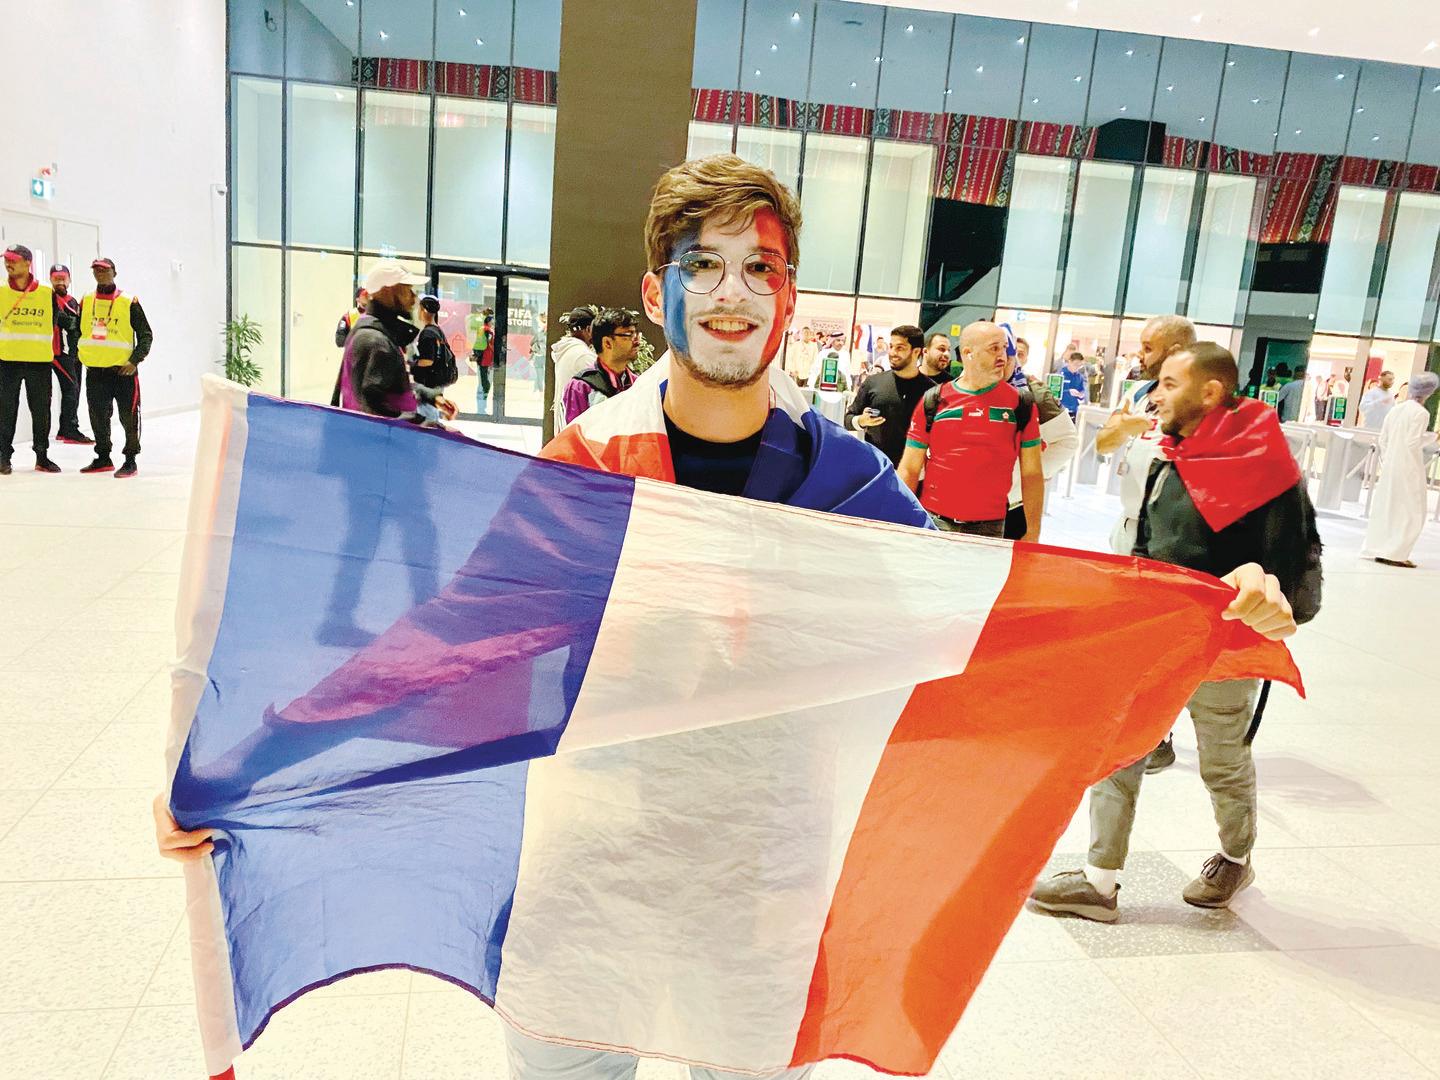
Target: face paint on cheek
[(675, 302), (772, 237)]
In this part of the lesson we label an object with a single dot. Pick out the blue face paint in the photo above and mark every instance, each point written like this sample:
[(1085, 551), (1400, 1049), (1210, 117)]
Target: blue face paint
[(675, 312)]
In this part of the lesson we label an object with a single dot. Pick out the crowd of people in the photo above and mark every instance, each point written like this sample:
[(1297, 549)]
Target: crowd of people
[(94, 344)]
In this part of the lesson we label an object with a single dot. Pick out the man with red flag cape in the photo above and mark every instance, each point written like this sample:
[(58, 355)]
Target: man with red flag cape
[(1225, 492)]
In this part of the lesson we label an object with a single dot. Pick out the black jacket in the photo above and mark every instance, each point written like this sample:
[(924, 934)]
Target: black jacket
[(378, 373), (1281, 536), (67, 326)]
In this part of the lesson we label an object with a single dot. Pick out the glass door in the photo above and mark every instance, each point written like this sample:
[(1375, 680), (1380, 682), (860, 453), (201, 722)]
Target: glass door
[(495, 322)]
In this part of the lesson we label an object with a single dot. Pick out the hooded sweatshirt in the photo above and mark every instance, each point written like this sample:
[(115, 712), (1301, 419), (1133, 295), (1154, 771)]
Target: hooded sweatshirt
[(373, 376), (571, 356)]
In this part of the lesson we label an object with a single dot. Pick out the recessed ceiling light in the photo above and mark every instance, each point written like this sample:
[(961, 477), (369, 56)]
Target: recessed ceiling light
[(910, 29), (1202, 119), (757, 73), (1229, 63), (878, 59), (794, 16), (1428, 47), (774, 47), (1079, 78), (1034, 101), (980, 70), (383, 35), (349, 3), (947, 91), (1298, 131), (1019, 41), (1129, 52), (1197, 17), (1360, 108), (480, 41), (1314, 30), (1170, 87), (1254, 101), (1339, 75), (1124, 108), (1374, 138), (852, 86), (462, 12)]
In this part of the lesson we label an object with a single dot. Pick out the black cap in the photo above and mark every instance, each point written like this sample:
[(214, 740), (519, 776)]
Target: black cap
[(19, 251), (430, 304), (578, 318)]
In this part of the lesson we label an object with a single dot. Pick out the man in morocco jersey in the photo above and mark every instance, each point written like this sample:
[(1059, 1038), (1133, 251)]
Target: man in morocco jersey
[(967, 444)]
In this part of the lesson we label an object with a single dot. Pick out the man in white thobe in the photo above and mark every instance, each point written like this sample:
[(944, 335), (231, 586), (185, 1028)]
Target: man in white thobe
[(1398, 513), (1375, 406)]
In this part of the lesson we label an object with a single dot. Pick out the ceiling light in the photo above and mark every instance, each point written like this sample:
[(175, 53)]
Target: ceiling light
[(1170, 87), (1073, 5), (1079, 78), (794, 16), (1314, 31), (1019, 41), (1359, 108), (1254, 101), (1034, 101), (980, 70), (1229, 63), (1129, 52), (910, 29), (757, 73), (1339, 75), (384, 36), (774, 47), (462, 12), (1202, 119), (878, 59), (480, 41), (1429, 46), (349, 3), (1298, 131), (1374, 138), (852, 86), (1435, 89), (1197, 17), (1124, 108), (947, 91)]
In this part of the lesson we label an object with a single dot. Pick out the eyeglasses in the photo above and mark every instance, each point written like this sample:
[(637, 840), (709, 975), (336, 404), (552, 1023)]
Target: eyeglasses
[(621, 333), (701, 272)]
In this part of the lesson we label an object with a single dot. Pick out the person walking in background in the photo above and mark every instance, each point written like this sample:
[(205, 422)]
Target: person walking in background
[(1398, 514), (1287, 400), (115, 337), (374, 378), (434, 365), (67, 364), (885, 402), (1074, 384), (1059, 441), (483, 356), (616, 336), (1375, 406), (935, 361), (27, 340), (571, 355), (342, 331)]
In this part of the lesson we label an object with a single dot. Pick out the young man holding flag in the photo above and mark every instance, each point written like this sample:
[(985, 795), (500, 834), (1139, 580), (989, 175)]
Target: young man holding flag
[(1226, 492)]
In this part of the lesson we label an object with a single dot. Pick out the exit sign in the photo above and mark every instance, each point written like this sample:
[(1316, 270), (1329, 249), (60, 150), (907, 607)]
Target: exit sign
[(41, 188)]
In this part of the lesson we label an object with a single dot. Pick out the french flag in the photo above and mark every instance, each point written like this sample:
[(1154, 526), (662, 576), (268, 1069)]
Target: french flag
[(644, 768)]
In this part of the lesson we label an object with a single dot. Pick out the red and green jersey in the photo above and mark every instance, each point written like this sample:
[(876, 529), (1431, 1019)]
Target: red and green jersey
[(972, 450)]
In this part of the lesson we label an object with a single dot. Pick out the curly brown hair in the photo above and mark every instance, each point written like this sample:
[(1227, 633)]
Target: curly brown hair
[(722, 187)]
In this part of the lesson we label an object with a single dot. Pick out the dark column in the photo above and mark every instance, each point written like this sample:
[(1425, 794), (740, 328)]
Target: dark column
[(624, 115)]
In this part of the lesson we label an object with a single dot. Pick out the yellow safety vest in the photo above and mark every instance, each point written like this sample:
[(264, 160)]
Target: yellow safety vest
[(27, 324), (109, 339)]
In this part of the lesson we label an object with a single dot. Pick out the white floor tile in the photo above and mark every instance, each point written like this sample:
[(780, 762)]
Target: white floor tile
[(452, 1035), (64, 1045), (14, 803), (73, 834), (160, 1042), (330, 1038), (38, 756), (121, 756)]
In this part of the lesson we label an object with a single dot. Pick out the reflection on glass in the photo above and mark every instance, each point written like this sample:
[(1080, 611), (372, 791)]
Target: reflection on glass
[(522, 378), (321, 39), (1220, 249), (1187, 90), (397, 150), (1097, 237), (1162, 228), (320, 187), (1057, 74), (1351, 260), (1384, 110), (537, 34), (1405, 308), (1425, 138), (1319, 101), (820, 322), (475, 32), (465, 302), (1030, 269), (257, 36), (870, 333), (469, 175), (321, 289), (916, 47), (1087, 335), (255, 160), (399, 39), (1250, 100), (847, 58), (776, 149), (717, 44), (830, 203), (532, 179), (1124, 82), (900, 182), (255, 292), (707, 139), (987, 65), (782, 71)]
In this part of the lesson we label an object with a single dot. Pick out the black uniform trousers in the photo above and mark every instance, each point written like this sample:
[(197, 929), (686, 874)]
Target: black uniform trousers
[(67, 376), (35, 377), (107, 391)]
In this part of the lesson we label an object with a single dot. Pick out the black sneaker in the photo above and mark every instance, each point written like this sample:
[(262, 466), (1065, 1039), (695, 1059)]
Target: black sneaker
[(44, 464), (102, 463), (127, 469), (4, 466), (76, 438), (1162, 757)]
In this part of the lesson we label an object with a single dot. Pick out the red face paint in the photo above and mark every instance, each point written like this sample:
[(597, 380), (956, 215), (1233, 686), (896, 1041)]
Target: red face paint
[(772, 237)]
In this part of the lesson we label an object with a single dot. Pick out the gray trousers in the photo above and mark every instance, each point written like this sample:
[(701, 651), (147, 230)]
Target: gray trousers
[(1221, 712), (532, 1059)]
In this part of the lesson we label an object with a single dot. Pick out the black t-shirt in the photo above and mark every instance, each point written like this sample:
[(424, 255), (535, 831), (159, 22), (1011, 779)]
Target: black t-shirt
[(720, 467), (896, 398), (427, 347)]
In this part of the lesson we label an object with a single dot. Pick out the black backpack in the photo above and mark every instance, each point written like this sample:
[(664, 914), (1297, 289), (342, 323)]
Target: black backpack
[(931, 403), (447, 370)]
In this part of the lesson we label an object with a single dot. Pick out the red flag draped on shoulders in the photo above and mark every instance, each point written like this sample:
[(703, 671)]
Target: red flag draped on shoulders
[(1237, 461)]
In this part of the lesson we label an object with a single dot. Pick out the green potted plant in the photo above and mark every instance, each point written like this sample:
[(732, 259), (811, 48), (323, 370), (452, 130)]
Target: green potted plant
[(242, 336)]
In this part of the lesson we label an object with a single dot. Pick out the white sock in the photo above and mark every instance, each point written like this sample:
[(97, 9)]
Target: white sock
[(1231, 858), (1103, 881)]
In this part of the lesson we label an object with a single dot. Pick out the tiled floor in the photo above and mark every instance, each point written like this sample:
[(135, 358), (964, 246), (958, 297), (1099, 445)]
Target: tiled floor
[(1328, 967)]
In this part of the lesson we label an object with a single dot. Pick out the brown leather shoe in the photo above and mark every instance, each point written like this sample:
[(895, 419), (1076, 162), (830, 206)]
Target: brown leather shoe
[(1219, 881)]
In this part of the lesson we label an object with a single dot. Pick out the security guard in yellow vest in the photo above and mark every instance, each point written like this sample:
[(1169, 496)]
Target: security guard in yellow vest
[(115, 337), (27, 331)]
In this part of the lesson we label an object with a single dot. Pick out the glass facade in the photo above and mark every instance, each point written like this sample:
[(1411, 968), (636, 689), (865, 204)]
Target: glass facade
[(362, 129), (953, 167)]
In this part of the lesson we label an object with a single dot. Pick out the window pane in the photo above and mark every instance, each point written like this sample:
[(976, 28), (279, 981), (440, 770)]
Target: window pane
[(1249, 99), (1384, 110), (1161, 231), (1125, 66), (255, 160), (833, 191), (1403, 309), (1097, 237), (1220, 249), (707, 139), (1351, 260), (845, 69), (397, 152), (717, 45), (1029, 272), (777, 150), (321, 182), (1425, 140), (900, 181), (1319, 100), (469, 178), (477, 39), (781, 71), (321, 40), (1188, 88), (987, 65), (1057, 74), (255, 292), (321, 285), (532, 179), (917, 44), (257, 36), (537, 37), (818, 321), (398, 44)]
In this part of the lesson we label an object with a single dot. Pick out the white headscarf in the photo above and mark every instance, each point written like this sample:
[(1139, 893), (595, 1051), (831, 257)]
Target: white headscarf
[(1423, 385)]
